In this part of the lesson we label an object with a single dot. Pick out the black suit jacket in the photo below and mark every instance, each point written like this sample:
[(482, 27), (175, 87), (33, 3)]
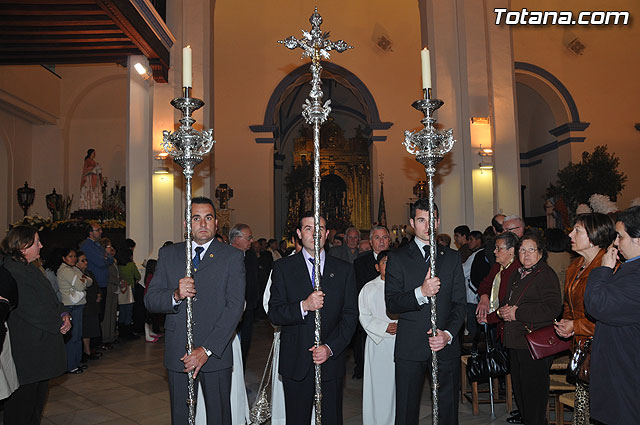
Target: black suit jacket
[(406, 270), (253, 287), (365, 268), (292, 284)]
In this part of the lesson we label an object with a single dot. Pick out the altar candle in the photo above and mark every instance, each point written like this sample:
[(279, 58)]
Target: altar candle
[(426, 68), (186, 67)]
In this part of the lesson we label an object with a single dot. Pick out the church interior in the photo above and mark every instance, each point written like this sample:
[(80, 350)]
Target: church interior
[(523, 101), (536, 95)]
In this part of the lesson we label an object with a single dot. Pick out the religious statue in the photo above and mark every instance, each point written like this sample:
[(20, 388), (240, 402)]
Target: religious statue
[(91, 183)]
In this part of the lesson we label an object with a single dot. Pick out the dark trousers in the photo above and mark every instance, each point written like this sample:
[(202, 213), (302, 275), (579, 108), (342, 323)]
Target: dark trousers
[(357, 342), (216, 387), (410, 381), (103, 299), (139, 311), (25, 405), (299, 395), (530, 380), (246, 331)]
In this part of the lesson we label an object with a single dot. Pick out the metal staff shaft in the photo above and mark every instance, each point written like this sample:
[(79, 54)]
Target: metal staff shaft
[(316, 264), (429, 146), (316, 45), (430, 170), (187, 146), (191, 397)]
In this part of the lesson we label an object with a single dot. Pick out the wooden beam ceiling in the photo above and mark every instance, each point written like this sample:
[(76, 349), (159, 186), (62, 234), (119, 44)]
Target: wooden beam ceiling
[(50, 32)]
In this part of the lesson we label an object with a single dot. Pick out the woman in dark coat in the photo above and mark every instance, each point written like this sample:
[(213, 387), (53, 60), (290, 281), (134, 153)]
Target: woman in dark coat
[(36, 327), (613, 300), (533, 301)]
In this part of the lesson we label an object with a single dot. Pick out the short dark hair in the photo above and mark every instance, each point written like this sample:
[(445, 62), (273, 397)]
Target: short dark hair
[(68, 250), (204, 200), (510, 239), (462, 230), (89, 228), (496, 224), (19, 238), (630, 219), (423, 204), (477, 235), (600, 228), (338, 238), (489, 232), (556, 240), (535, 238), (130, 243), (381, 255), (307, 215), (124, 256)]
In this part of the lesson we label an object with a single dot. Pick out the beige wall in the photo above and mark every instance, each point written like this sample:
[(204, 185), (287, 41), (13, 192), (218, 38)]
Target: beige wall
[(250, 63), (47, 124), (603, 81)]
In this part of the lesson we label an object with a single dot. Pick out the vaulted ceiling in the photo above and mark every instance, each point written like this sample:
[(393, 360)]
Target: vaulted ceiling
[(50, 32)]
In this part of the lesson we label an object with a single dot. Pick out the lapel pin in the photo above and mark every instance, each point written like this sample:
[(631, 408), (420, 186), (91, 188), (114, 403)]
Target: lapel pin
[(210, 255), (331, 274)]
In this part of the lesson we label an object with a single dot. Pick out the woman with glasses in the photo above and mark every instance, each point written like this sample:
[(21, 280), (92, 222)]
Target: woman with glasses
[(591, 236), (533, 301), (612, 298), (493, 288)]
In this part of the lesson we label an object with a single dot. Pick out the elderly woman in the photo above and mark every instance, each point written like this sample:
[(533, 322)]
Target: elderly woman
[(493, 288), (72, 285), (591, 236), (533, 301), (36, 327), (613, 300)]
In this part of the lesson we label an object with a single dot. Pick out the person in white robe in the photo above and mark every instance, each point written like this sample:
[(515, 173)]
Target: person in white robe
[(239, 402), (378, 385)]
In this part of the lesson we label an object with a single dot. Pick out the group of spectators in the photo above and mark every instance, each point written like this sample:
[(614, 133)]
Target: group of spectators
[(584, 284), (60, 312)]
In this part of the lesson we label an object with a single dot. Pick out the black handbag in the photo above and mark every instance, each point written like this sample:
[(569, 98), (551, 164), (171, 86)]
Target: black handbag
[(580, 363), (492, 364)]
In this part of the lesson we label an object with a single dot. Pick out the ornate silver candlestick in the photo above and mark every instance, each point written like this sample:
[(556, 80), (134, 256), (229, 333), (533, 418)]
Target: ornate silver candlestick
[(429, 147), (316, 45), (187, 146)]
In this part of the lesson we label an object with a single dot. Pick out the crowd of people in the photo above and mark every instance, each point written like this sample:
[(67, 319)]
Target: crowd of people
[(374, 295)]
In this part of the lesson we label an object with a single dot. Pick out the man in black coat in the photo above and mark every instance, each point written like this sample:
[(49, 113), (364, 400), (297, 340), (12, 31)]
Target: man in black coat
[(365, 268), (292, 303), (407, 287)]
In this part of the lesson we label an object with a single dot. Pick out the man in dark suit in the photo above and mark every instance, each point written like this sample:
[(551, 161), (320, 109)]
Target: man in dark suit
[(240, 237), (365, 268), (219, 277), (407, 287), (293, 301)]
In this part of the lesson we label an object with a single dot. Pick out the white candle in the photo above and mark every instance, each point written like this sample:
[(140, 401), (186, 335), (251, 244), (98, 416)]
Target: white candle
[(426, 68), (186, 67)]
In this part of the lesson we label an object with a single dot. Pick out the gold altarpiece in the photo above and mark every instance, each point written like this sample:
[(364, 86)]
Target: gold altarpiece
[(345, 189)]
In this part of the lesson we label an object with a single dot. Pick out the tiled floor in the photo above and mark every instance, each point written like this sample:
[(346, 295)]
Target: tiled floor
[(128, 386)]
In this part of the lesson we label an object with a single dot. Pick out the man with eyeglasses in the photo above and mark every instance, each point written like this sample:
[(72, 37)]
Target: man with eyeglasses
[(240, 237), (514, 224), (98, 261)]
